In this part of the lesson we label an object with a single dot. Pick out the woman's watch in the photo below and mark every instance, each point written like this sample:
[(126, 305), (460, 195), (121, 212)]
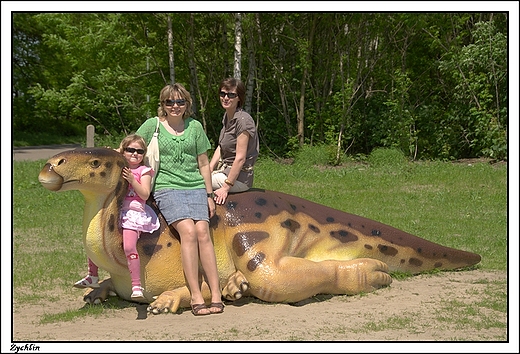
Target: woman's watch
[(211, 195)]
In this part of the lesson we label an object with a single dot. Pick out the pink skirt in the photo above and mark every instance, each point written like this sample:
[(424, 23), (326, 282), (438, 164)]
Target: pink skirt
[(144, 221)]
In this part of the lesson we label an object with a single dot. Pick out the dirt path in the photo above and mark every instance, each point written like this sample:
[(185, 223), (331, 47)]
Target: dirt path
[(32, 153), (451, 306)]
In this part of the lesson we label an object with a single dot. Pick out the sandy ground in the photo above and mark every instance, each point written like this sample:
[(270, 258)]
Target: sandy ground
[(446, 307)]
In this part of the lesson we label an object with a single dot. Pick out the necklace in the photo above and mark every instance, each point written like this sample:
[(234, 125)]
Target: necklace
[(178, 131)]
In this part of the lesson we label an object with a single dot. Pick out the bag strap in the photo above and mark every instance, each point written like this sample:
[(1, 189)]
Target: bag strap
[(157, 127)]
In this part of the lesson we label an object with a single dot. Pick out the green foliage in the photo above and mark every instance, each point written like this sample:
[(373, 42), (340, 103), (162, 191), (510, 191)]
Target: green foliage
[(383, 157), (479, 73), (433, 85), (315, 155)]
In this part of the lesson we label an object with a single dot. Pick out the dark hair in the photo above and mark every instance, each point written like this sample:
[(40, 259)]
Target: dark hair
[(231, 83), (170, 91)]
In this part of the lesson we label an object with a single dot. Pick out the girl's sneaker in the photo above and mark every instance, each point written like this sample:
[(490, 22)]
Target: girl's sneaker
[(89, 281), (137, 293)]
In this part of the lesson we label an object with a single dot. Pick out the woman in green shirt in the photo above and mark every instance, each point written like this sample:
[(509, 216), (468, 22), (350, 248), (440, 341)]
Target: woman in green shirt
[(183, 190)]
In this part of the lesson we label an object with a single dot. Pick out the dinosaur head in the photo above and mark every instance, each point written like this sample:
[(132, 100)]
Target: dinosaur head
[(94, 170)]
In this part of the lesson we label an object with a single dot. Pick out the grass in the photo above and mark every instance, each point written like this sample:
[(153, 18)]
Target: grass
[(458, 205)]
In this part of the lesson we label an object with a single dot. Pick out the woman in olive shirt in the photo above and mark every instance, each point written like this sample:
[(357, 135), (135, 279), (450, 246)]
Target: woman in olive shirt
[(238, 147)]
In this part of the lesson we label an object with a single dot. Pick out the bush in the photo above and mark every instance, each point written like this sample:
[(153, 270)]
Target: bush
[(387, 157), (310, 155)]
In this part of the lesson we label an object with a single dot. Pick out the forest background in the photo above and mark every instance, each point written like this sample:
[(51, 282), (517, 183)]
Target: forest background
[(433, 85)]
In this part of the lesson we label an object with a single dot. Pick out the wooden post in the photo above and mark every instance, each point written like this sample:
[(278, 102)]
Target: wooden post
[(90, 135)]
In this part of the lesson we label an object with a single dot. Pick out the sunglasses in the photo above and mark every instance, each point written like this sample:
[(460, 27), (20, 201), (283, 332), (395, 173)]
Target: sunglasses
[(229, 94), (132, 150), (170, 103)]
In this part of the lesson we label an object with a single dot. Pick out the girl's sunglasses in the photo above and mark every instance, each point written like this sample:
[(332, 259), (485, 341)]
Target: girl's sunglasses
[(132, 150), (229, 94), (170, 103)]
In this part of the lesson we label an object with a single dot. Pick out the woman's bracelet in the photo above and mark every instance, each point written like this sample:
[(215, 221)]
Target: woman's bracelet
[(227, 181)]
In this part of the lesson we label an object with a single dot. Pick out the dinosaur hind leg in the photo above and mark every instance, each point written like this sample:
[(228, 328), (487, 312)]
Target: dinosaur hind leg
[(294, 279)]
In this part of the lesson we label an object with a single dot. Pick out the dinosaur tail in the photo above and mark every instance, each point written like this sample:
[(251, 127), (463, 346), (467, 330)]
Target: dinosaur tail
[(411, 254)]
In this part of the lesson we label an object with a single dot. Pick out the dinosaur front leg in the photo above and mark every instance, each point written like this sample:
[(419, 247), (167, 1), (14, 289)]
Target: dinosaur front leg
[(294, 279), (98, 295), (171, 300)]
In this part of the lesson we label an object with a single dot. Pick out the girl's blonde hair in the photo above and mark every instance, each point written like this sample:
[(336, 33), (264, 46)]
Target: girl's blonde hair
[(129, 139), (172, 91)]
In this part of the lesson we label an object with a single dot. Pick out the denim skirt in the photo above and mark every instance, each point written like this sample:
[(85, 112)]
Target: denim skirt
[(176, 204)]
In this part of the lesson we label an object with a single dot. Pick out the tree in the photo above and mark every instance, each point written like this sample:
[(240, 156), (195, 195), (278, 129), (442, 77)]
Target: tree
[(433, 85)]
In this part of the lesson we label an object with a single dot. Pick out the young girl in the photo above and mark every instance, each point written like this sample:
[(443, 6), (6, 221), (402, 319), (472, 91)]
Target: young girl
[(136, 215)]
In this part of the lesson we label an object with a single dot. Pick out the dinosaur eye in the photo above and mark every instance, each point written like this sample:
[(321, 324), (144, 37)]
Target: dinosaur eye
[(95, 163)]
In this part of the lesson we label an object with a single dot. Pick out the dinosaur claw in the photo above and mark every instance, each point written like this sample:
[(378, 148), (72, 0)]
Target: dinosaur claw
[(244, 286)]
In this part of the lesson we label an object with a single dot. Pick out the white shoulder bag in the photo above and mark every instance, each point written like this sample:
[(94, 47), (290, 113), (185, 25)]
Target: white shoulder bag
[(152, 152)]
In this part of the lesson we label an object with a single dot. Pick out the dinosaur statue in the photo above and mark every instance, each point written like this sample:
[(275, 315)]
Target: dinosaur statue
[(270, 245)]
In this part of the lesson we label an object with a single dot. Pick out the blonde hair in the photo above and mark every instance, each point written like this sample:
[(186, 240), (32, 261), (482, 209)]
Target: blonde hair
[(170, 91), (129, 139)]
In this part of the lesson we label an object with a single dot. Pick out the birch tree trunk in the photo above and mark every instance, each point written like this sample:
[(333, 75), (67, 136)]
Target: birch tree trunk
[(170, 51), (301, 111), (250, 82), (237, 67), (195, 89)]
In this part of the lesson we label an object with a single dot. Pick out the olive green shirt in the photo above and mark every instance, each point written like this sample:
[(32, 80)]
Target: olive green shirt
[(239, 123)]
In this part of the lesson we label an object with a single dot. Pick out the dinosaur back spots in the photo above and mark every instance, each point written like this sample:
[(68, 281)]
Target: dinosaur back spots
[(290, 224), (387, 250), (231, 205), (120, 192), (314, 228), (150, 249), (112, 222), (255, 261), (214, 221), (244, 241), (415, 262), (260, 201), (343, 236)]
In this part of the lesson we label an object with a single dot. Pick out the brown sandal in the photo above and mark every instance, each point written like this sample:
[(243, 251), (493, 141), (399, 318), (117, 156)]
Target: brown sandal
[(217, 305), (197, 308)]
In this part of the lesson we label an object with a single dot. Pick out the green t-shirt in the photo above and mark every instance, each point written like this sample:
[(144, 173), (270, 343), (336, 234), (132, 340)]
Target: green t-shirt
[(178, 166)]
